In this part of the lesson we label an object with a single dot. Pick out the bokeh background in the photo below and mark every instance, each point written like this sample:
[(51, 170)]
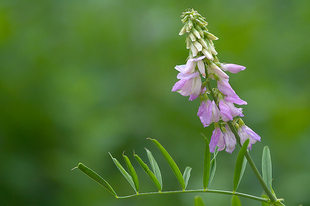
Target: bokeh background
[(80, 79)]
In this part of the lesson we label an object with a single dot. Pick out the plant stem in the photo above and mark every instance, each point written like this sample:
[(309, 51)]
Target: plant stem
[(247, 155), (202, 191), (253, 166)]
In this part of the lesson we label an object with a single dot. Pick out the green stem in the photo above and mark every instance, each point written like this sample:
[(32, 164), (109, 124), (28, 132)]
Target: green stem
[(253, 166), (202, 191), (247, 155)]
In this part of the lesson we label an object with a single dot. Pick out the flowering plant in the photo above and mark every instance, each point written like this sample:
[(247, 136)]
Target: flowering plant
[(204, 77)]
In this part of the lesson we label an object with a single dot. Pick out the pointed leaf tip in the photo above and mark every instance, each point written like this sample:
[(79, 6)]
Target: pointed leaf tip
[(154, 166), (93, 175), (132, 172), (124, 172), (213, 166), (171, 163), (148, 172), (199, 201), (267, 167), (206, 165), (186, 175), (239, 163)]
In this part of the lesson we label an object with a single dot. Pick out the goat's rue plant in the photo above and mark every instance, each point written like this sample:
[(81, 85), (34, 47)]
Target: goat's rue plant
[(204, 77)]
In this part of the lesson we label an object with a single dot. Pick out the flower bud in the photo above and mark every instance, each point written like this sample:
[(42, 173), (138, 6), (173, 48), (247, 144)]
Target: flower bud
[(211, 36), (194, 50), (183, 30), (197, 45), (192, 37), (207, 54), (196, 33), (203, 43)]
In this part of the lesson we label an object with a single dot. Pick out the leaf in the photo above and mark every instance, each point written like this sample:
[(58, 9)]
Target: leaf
[(148, 172), (199, 201), (171, 162), (132, 172), (123, 171), (155, 167), (89, 172), (245, 161), (186, 175), (213, 166), (206, 165), (267, 167), (235, 201), (239, 162)]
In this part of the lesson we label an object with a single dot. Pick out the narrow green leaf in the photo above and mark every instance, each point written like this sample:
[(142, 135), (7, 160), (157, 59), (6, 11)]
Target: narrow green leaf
[(245, 161), (187, 175), (171, 162), (132, 172), (239, 163), (155, 167), (213, 166), (148, 172), (89, 172), (199, 201), (124, 173), (267, 167), (206, 165), (235, 201)]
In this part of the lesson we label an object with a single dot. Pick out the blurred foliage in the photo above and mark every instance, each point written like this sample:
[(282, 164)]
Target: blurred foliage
[(81, 78)]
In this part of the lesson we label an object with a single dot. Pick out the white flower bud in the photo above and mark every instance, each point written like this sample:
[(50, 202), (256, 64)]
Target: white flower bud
[(188, 43), (203, 43), (211, 36), (192, 36), (207, 54), (213, 51), (200, 31), (183, 30), (194, 50), (196, 33), (197, 45)]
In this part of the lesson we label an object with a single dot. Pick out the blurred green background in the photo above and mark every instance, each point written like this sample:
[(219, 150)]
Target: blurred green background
[(80, 79)]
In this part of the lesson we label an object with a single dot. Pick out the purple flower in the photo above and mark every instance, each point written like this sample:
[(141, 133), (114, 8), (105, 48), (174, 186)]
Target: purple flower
[(190, 81), (189, 67), (247, 133), (233, 68), (214, 69), (189, 84), (230, 140), (208, 113), (217, 139), (229, 111), (231, 96)]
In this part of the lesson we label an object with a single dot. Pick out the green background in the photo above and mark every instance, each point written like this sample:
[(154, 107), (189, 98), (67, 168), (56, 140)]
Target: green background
[(79, 79)]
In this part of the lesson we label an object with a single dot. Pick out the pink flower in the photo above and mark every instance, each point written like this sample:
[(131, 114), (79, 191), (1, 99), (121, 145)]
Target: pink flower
[(217, 139), (229, 111), (230, 140), (233, 68), (190, 81), (214, 69), (190, 65), (231, 96), (247, 133), (189, 84), (208, 113)]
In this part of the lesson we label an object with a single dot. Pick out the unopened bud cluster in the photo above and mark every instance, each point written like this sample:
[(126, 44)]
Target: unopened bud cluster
[(216, 104), (198, 38)]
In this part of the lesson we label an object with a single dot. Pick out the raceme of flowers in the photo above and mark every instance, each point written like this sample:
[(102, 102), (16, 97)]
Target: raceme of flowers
[(217, 104)]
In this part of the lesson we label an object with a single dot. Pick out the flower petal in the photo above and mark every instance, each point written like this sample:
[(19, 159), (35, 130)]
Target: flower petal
[(233, 68)]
